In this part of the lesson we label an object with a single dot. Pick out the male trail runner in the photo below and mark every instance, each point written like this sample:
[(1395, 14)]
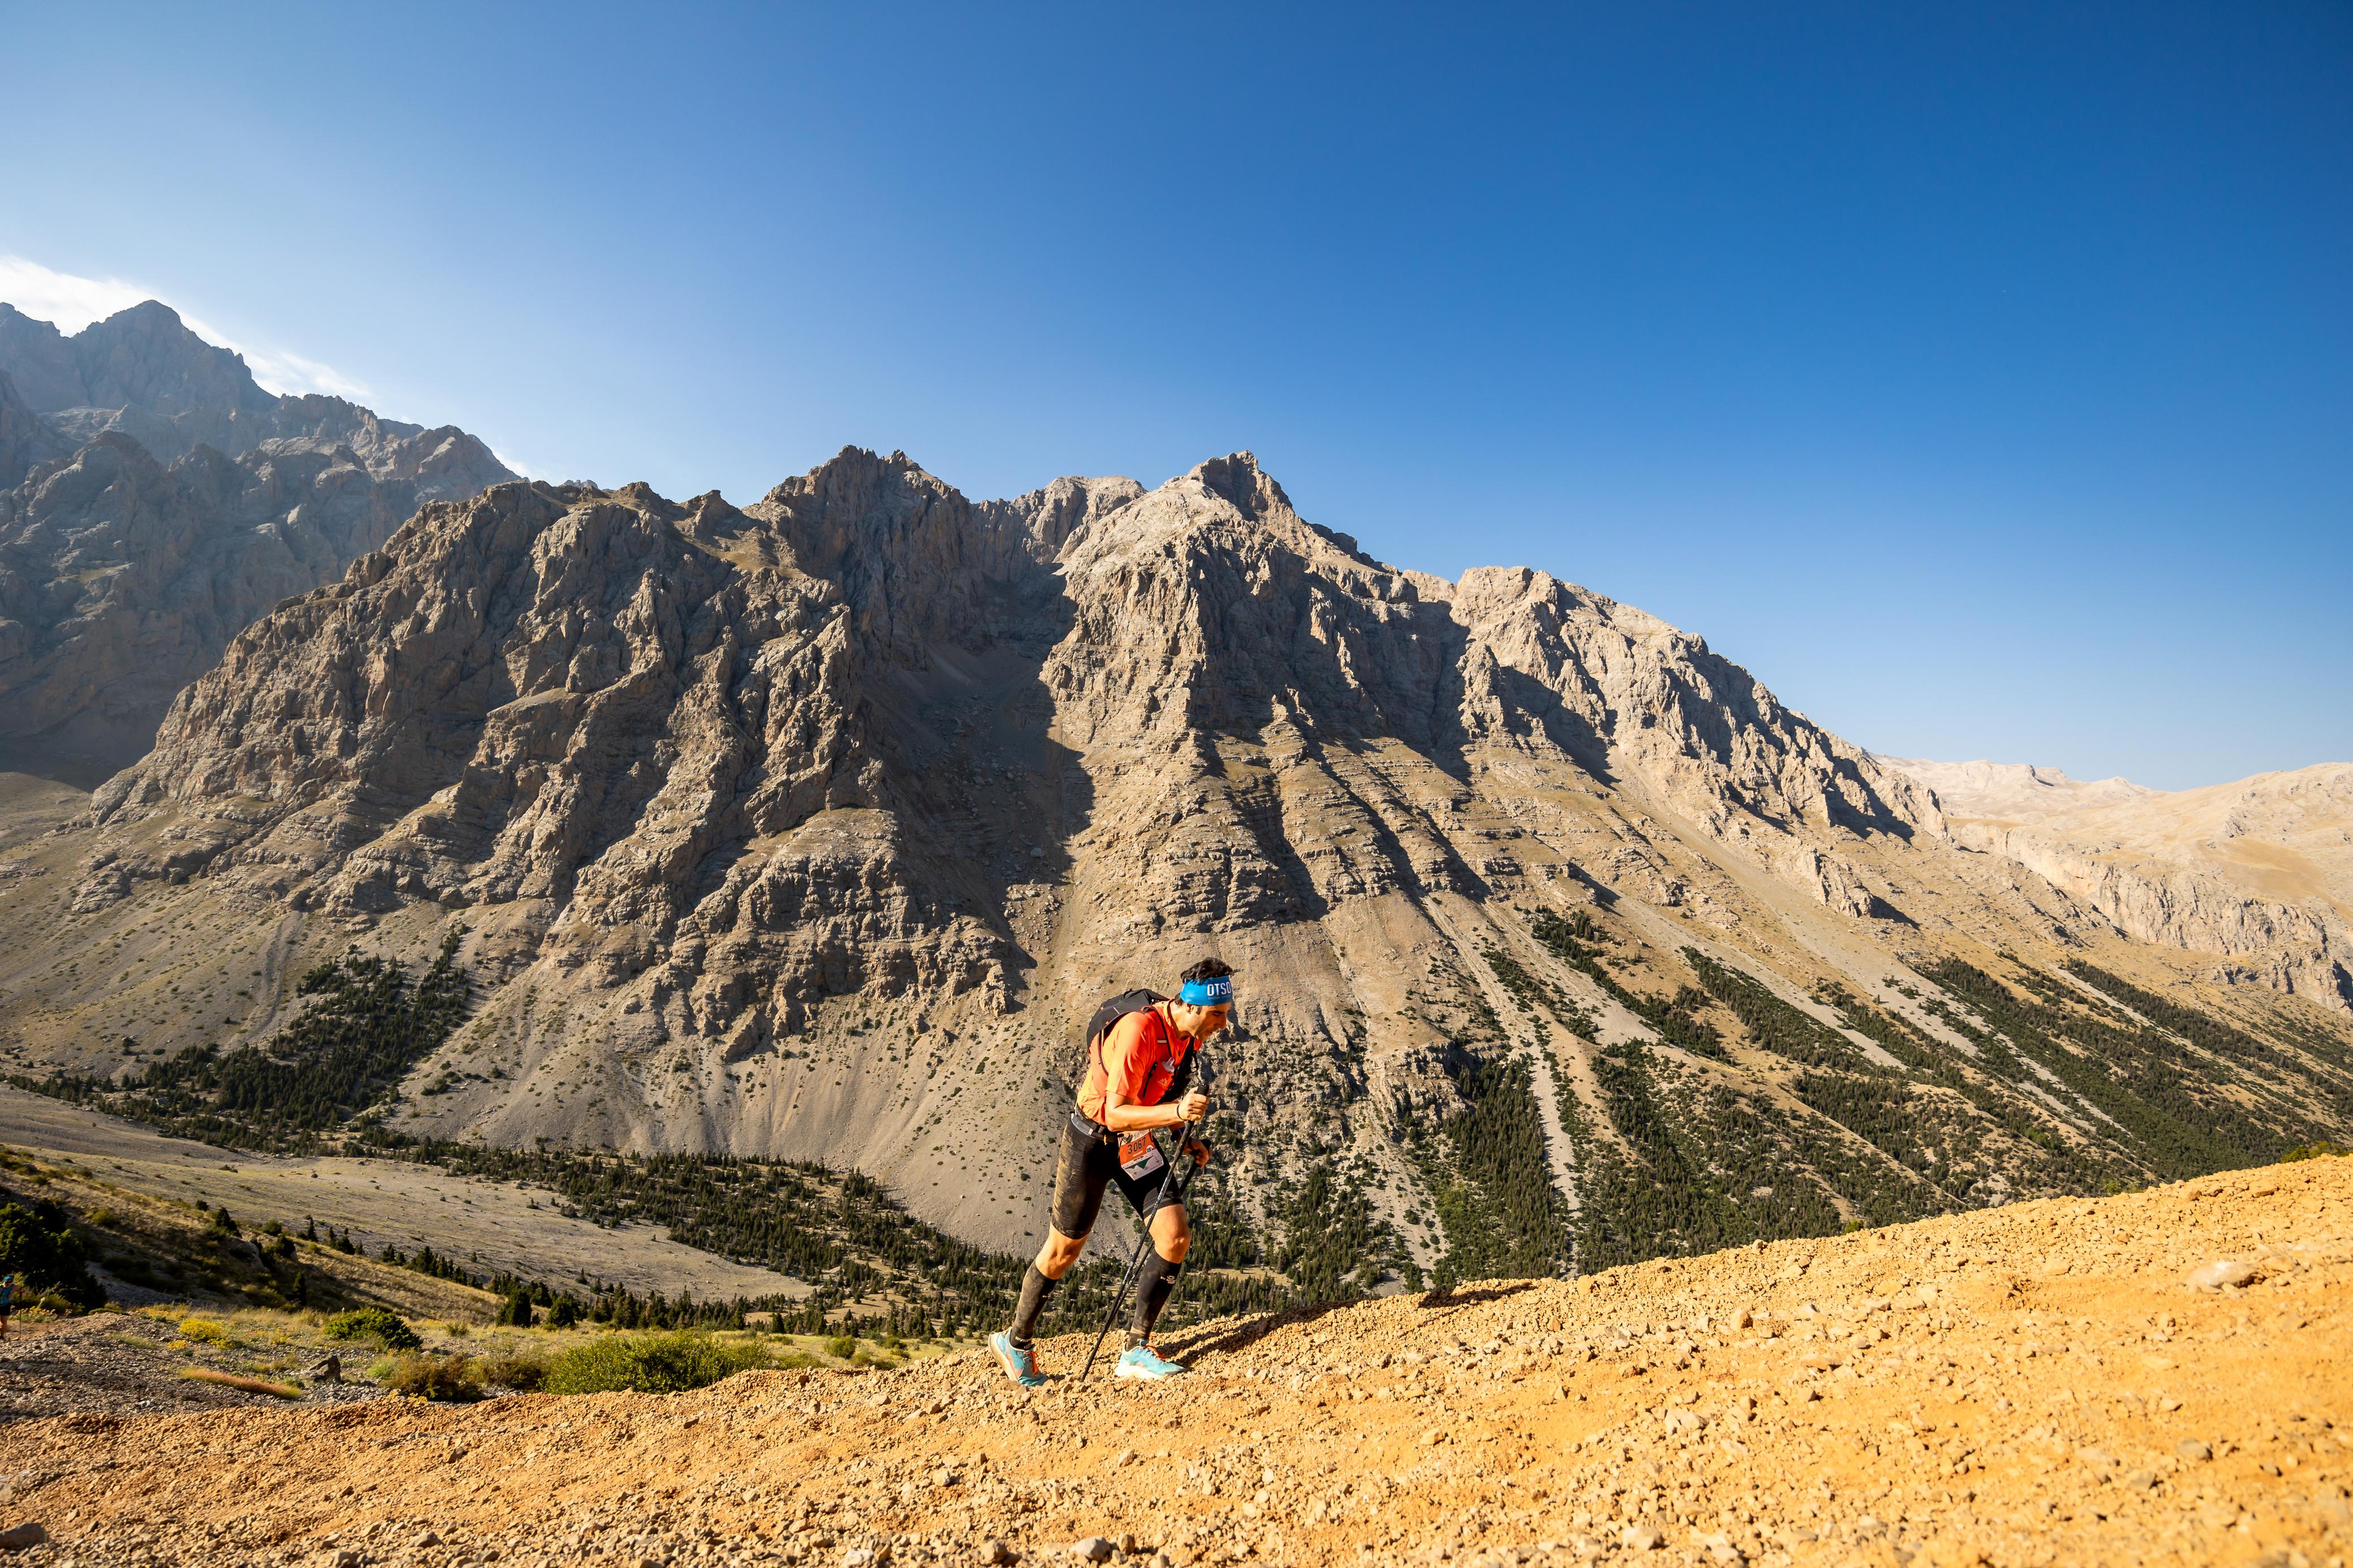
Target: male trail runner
[(1134, 1061)]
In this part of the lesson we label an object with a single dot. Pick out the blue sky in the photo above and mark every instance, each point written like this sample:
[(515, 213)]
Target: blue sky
[(1979, 376)]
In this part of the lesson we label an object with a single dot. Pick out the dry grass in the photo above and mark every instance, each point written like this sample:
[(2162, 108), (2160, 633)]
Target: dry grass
[(249, 1385), (443, 1377)]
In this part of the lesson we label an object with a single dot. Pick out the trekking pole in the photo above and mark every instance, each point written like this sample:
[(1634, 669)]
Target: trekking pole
[(1186, 1134)]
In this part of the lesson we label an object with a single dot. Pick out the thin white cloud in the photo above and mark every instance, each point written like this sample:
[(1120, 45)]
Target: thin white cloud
[(285, 372), (516, 466), (70, 303)]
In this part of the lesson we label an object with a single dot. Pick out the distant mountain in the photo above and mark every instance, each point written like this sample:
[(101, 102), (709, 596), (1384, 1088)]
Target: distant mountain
[(2257, 875), (154, 500), (143, 373), (2020, 792), (814, 828)]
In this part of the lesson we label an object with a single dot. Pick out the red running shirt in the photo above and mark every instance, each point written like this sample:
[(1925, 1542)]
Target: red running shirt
[(1140, 1053)]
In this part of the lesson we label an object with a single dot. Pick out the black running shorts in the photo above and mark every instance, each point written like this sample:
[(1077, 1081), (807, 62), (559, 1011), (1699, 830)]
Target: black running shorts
[(1086, 1166)]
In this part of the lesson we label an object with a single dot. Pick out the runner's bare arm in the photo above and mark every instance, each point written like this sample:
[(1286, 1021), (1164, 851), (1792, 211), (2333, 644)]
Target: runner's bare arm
[(1118, 1114)]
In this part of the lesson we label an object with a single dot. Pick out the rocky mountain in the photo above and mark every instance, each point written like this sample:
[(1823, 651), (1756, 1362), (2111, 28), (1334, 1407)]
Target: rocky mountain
[(814, 828), (2255, 878), (154, 500)]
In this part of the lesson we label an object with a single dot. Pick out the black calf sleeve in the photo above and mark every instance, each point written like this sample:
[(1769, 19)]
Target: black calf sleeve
[(1154, 1283), (1035, 1289)]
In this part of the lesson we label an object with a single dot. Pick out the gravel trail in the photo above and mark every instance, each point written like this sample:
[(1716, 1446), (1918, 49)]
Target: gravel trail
[(2029, 1386)]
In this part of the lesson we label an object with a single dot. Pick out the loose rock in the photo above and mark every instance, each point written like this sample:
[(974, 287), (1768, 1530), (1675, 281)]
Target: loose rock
[(2220, 1273)]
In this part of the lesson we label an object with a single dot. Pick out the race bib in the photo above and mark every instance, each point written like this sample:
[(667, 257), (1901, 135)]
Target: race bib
[(1140, 1156)]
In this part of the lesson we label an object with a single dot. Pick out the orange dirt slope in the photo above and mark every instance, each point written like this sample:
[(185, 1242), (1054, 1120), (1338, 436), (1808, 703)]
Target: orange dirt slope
[(2033, 1384)]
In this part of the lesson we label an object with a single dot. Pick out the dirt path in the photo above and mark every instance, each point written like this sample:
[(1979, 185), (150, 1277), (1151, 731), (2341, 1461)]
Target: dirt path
[(2031, 1386)]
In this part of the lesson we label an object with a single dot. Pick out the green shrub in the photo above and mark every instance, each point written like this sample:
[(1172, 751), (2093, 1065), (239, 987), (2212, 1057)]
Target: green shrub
[(2314, 1151), (841, 1345), (649, 1363), (515, 1311), (206, 1331), (386, 1327), (443, 1377), (38, 1245)]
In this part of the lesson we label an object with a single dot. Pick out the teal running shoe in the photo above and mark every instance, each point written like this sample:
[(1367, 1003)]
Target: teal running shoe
[(1021, 1365), (1141, 1362)]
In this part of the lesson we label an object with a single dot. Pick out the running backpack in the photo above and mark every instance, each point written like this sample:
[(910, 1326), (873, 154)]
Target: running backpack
[(1119, 1007)]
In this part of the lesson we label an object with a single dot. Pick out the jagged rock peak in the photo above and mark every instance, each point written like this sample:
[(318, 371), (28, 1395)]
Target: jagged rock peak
[(144, 356), (153, 499), (852, 504), (1054, 515), (142, 371), (1238, 479)]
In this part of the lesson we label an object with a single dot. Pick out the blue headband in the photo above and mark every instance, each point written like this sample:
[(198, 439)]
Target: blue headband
[(1213, 993)]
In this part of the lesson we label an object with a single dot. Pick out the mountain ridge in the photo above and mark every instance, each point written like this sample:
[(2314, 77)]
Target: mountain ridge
[(2020, 790), (812, 829)]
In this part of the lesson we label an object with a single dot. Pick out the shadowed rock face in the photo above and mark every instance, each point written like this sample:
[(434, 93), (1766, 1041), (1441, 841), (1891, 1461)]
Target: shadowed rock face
[(159, 502), (26, 440), (772, 658)]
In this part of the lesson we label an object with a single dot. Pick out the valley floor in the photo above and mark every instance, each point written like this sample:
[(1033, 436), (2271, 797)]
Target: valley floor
[(378, 1201), (2033, 1384)]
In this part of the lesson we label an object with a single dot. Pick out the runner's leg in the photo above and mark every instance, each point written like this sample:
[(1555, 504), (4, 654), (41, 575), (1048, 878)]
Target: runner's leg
[(1172, 1236), (1081, 1171)]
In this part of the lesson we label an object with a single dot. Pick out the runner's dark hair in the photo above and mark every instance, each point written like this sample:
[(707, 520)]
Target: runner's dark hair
[(1207, 969)]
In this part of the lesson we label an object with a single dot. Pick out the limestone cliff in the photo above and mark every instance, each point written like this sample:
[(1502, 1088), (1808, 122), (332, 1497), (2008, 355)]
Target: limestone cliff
[(2256, 875)]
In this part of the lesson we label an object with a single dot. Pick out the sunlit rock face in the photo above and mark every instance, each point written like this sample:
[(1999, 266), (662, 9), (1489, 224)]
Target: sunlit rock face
[(815, 828)]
